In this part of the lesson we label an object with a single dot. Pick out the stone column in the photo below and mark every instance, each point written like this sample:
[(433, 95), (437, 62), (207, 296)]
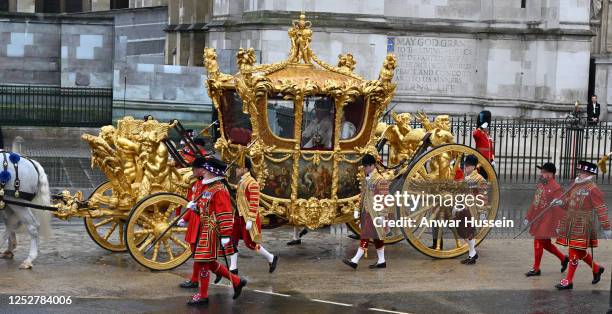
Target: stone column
[(26, 6), (100, 5)]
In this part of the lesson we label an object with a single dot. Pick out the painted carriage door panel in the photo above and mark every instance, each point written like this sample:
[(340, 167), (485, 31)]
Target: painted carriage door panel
[(278, 181), (318, 123), (236, 124)]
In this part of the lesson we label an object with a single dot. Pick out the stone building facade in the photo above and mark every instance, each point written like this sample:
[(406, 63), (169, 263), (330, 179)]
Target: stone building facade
[(520, 58), (73, 6)]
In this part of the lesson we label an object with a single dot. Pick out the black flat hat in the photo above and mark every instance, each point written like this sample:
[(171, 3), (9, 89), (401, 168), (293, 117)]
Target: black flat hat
[(471, 160), (587, 166), (548, 166)]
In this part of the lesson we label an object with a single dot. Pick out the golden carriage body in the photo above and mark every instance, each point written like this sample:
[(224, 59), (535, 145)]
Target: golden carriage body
[(134, 208), (306, 124)]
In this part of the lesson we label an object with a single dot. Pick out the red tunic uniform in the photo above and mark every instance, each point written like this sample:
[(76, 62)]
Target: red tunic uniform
[(247, 198), (545, 226), (216, 216), (484, 143), (193, 219), (374, 185), (577, 230)]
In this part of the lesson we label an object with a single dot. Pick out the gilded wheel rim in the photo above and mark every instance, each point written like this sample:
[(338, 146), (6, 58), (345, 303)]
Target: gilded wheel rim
[(149, 218), (107, 232), (449, 244)]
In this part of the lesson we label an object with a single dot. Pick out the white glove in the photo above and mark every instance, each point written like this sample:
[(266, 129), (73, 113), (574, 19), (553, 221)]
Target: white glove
[(556, 202), (607, 234), (181, 223), (485, 125), (249, 225), (525, 222), (493, 163), (191, 205), (356, 214), (225, 241)]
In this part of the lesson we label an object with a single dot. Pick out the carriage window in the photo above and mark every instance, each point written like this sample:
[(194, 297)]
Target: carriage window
[(352, 119), (317, 123), (281, 117), (236, 124)]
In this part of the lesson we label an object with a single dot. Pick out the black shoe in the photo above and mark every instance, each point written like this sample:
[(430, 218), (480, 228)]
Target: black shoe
[(238, 288), (564, 264), (294, 242), (377, 265), (354, 236), (564, 287), (471, 260), (234, 271), (199, 301), (273, 264), (533, 272), (597, 275), (188, 284), (348, 262), (303, 232), (218, 278)]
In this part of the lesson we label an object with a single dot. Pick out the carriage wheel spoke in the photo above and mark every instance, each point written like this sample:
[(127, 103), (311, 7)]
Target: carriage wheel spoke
[(168, 249), (439, 238), (143, 231), (147, 220), (121, 225), (179, 229), (179, 242), (103, 222), (110, 231), (456, 236), (145, 244), (155, 252)]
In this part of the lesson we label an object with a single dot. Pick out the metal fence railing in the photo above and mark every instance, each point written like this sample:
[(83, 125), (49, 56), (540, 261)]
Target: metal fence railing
[(521, 144), (55, 106)]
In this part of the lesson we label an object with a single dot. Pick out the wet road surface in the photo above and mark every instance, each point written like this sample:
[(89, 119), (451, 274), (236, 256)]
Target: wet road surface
[(310, 278)]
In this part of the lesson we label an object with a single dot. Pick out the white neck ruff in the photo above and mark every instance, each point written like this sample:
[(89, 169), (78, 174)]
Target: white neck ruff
[(209, 181)]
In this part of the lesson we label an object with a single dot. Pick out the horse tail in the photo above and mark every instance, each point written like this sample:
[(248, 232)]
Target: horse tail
[(43, 197)]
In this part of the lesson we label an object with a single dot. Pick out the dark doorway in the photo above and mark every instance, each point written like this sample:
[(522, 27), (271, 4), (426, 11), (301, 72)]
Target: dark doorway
[(4, 5), (51, 6), (72, 6), (120, 4), (591, 80)]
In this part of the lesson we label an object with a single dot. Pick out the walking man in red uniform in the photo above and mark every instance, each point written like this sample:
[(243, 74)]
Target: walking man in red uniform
[(247, 222), (484, 142), (216, 223), (374, 184), (544, 220), (583, 203), (192, 220)]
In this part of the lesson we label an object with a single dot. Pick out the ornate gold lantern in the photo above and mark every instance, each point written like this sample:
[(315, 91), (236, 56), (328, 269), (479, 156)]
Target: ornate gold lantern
[(307, 123)]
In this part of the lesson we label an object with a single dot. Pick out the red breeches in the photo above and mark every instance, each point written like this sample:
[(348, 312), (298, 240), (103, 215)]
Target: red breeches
[(363, 243)]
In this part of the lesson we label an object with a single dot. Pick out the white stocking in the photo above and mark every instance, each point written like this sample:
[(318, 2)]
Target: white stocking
[(358, 255), (472, 246), (263, 252), (233, 261)]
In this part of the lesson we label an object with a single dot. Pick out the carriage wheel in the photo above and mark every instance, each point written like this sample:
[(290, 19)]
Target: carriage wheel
[(107, 232), (150, 218), (420, 179)]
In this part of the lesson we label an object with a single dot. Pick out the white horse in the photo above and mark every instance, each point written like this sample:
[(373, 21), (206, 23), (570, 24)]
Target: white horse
[(33, 188)]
